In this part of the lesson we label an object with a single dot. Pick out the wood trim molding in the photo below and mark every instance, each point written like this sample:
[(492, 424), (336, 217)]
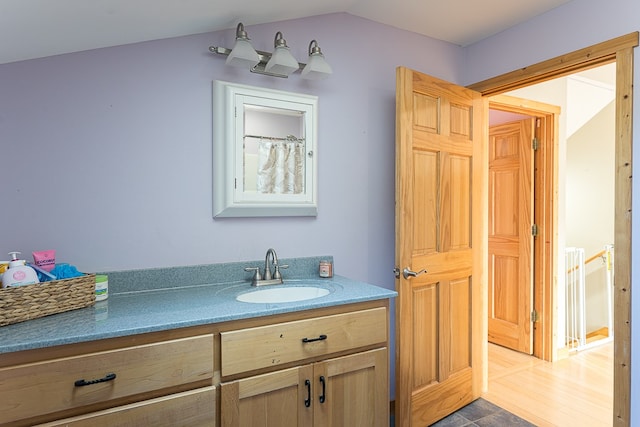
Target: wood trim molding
[(619, 50), (622, 240), (559, 66)]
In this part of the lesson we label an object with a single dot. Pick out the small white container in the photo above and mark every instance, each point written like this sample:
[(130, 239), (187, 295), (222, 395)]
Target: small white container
[(18, 273), (102, 287)]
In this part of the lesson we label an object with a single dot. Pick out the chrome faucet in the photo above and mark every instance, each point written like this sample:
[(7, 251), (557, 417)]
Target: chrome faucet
[(269, 277), (267, 268)]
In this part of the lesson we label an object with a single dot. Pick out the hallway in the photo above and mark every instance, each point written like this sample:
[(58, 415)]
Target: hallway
[(575, 391)]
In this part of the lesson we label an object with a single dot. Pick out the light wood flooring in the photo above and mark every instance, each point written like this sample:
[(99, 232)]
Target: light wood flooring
[(575, 391)]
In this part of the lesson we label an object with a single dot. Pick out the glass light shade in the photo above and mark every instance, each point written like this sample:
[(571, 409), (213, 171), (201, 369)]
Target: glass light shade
[(242, 55), (317, 68), (282, 62)]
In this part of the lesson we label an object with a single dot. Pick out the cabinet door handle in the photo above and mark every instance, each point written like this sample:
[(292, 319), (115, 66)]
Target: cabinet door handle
[(307, 401), (322, 396), (108, 377), (320, 338)]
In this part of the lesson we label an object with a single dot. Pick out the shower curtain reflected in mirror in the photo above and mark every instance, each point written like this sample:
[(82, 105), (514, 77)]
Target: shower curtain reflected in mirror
[(280, 167)]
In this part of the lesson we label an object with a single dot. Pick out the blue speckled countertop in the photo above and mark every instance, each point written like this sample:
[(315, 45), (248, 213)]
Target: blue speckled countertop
[(167, 298)]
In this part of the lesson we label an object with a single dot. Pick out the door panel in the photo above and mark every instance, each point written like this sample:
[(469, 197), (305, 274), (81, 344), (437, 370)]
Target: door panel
[(510, 239), (460, 321), (425, 337), (425, 207), (441, 227)]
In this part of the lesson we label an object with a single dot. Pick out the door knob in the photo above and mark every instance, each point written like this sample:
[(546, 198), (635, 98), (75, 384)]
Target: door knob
[(409, 273)]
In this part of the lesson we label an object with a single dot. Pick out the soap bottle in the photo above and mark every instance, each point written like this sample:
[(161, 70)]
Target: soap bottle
[(18, 273)]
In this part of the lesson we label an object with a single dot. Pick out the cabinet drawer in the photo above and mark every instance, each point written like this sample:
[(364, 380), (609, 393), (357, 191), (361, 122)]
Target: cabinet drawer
[(192, 408), (46, 387), (269, 346)]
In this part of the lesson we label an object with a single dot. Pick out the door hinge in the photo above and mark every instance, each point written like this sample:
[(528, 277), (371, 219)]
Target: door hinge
[(534, 230), (535, 144), (534, 316)]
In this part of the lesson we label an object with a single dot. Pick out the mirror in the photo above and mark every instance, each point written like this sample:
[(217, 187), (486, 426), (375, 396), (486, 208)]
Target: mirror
[(264, 152)]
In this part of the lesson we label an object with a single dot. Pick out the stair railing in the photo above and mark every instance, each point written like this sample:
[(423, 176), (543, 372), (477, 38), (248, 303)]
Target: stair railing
[(575, 295)]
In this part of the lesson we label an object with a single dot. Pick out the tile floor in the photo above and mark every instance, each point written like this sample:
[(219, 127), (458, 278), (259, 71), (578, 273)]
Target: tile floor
[(482, 413)]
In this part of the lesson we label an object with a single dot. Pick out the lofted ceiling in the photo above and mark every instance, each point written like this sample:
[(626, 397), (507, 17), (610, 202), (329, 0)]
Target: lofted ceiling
[(38, 28)]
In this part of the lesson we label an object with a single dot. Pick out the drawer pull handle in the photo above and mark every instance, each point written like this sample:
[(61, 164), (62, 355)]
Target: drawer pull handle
[(307, 401), (108, 377), (320, 338), (322, 396)]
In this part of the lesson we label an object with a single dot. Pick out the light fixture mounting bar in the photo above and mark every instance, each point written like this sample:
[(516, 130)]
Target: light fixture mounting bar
[(259, 68)]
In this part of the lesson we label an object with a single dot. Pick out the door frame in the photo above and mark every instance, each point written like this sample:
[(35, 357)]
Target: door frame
[(619, 50), (545, 214)]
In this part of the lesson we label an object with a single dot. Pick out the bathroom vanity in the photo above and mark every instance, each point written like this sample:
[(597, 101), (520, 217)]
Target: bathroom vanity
[(195, 355)]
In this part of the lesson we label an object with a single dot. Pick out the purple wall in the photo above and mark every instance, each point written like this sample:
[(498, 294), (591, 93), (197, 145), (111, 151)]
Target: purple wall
[(106, 154), (573, 26)]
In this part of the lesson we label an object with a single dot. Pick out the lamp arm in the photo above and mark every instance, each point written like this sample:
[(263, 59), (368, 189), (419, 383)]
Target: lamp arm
[(264, 58)]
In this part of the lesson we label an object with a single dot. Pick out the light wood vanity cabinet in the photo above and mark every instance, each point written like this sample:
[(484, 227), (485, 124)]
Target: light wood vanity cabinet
[(324, 367), (345, 391), (350, 389)]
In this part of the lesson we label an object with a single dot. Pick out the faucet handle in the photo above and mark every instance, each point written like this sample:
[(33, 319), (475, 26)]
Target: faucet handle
[(276, 273), (256, 276)]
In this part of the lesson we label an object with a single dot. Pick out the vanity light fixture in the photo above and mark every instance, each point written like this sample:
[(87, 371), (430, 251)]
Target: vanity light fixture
[(317, 68), (280, 63), (243, 54)]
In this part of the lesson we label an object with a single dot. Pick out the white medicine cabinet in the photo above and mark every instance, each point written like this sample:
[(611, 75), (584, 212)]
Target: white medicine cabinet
[(264, 152)]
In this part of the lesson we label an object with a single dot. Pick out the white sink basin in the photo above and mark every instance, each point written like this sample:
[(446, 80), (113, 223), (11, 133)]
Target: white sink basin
[(283, 294)]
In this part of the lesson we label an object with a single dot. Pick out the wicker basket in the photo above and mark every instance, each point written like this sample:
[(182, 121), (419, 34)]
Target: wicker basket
[(21, 303)]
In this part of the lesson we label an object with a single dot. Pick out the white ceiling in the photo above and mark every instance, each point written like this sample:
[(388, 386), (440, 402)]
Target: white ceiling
[(38, 28)]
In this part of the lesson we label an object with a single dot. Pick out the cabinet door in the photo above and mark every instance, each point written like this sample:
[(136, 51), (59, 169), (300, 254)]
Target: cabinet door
[(276, 399), (352, 390)]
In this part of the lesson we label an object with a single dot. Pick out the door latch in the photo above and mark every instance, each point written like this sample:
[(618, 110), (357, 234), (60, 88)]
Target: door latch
[(406, 273)]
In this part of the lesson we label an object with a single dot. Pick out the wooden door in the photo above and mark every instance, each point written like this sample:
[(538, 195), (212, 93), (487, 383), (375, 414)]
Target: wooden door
[(510, 235), (352, 391), (441, 226), (271, 400)]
